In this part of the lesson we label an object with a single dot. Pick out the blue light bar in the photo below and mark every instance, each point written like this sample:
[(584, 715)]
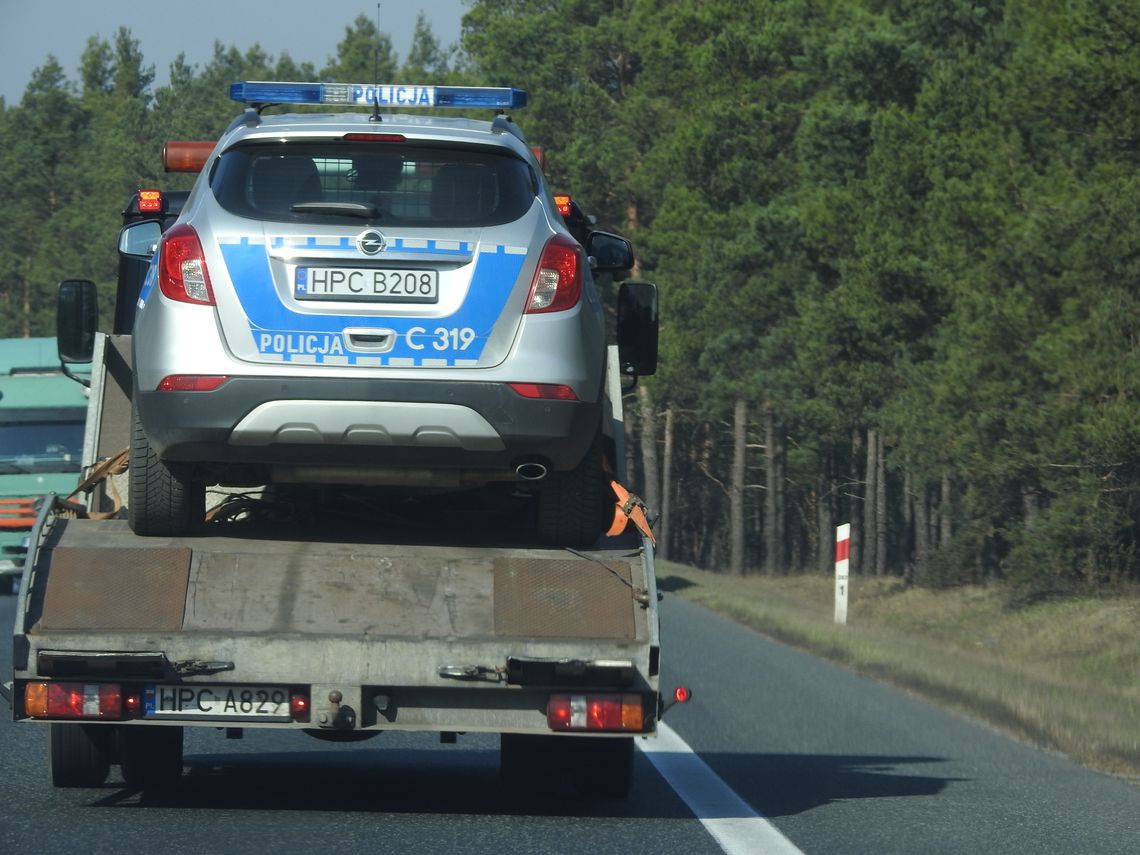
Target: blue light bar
[(367, 94)]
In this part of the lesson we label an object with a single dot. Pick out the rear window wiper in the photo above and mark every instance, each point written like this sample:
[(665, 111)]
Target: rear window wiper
[(365, 210)]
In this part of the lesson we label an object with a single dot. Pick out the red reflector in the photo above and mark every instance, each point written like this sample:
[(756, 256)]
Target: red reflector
[(133, 703), (190, 383), (150, 201), (681, 694), (74, 700), (375, 138), (562, 201), (551, 391), (299, 706), (186, 156)]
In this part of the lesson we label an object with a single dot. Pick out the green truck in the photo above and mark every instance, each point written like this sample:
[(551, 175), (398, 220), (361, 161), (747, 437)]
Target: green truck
[(42, 415)]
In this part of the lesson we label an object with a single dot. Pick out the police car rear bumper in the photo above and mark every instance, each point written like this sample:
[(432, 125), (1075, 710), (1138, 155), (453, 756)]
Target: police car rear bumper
[(259, 422)]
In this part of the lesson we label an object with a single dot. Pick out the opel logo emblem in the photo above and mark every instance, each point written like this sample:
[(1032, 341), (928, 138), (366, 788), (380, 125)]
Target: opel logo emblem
[(371, 242)]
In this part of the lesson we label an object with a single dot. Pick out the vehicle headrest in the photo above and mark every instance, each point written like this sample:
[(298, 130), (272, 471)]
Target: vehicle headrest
[(276, 183), (463, 191)]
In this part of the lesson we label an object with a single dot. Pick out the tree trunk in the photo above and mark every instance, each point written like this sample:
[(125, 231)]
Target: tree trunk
[(907, 546), (880, 505), (709, 506), (736, 487), (921, 527), (666, 485), (780, 552), (945, 510), (651, 474), (630, 446), (772, 532), (825, 509), (870, 559), (26, 325), (855, 478)]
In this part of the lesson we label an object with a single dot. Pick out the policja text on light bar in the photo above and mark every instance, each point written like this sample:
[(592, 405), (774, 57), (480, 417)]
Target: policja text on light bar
[(369, 94)]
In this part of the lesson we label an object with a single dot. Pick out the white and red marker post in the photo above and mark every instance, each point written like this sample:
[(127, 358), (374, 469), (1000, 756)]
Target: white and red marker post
[(842, 563)]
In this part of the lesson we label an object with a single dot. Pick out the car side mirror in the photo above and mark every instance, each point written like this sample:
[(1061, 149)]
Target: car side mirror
[(609, 253), (637, 323), (77, 315), (139, 240)]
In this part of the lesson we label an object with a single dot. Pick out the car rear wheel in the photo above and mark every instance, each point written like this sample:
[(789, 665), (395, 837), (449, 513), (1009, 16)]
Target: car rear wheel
[(163, 500), (573, 507)]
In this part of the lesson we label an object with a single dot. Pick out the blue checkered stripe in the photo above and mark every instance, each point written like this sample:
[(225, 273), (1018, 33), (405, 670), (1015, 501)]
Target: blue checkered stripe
[(279, 331)]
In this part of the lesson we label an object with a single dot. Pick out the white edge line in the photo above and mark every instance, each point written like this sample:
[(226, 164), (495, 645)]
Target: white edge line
[(735, 825)]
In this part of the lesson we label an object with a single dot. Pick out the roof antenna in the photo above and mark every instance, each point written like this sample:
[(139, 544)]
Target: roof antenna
[(375, 117)]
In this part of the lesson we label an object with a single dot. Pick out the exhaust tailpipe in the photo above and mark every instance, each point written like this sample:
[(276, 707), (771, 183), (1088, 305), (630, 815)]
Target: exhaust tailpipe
[(531, 471)]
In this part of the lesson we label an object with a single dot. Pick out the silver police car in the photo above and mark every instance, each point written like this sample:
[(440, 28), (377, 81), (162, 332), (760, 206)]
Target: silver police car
[(372, 299)]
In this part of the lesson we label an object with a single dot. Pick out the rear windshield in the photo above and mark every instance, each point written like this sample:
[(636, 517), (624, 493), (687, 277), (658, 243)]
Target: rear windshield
[(407, 184)]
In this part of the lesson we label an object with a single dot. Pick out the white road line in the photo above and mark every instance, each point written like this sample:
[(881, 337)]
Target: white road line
[(736, 827)]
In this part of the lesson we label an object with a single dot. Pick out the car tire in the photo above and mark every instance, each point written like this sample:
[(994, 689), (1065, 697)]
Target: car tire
[(163, 501), (573, 507), (80, 754)]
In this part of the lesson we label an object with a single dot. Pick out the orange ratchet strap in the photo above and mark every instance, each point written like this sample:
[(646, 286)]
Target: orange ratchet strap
[(18, 514), (629, 509)]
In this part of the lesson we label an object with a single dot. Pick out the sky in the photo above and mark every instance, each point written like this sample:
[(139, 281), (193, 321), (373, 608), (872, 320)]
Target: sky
[(308, 30)]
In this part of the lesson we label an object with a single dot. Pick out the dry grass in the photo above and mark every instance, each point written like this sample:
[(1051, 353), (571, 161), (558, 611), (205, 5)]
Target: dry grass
[(1064, 675)]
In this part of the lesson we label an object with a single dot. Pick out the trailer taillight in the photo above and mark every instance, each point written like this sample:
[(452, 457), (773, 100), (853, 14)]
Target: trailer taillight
[(150, 202), (596, 712), (74, 700)]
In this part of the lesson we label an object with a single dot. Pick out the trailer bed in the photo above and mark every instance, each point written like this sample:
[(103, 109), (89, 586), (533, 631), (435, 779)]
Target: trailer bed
[(431, 624)]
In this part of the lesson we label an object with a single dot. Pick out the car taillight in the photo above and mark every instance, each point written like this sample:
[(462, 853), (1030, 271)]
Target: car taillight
[(182, 273), (557, 284), (596, 712), (74, 700)]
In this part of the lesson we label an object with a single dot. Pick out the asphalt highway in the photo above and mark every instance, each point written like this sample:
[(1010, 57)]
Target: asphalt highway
[(776, 752)]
